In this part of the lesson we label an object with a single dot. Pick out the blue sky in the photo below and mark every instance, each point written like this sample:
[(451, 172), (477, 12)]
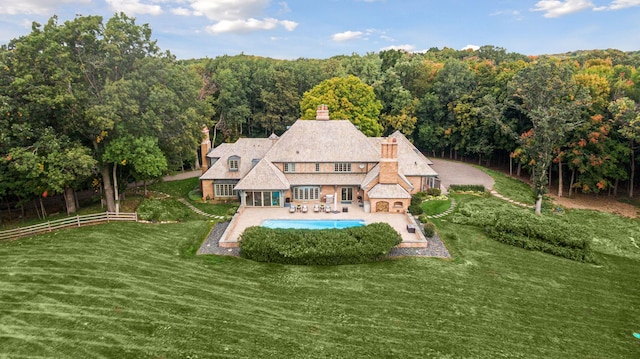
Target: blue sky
[(289, 29)]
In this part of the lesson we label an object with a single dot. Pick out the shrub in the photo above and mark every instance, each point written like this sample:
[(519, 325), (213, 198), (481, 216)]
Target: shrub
[(466, 188), (416, 199), (434, 192), (423, 219), (522, 228), (422, 194), (232, 210), (162, 210), (415, 209), (318, 247), (195, 195), (429, 229)]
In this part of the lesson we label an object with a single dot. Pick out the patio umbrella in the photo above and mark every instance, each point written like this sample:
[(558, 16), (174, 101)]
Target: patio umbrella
[(335, 201)]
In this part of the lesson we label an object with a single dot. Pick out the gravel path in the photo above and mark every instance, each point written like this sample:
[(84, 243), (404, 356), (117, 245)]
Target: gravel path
[(435, 248), (210, 245)]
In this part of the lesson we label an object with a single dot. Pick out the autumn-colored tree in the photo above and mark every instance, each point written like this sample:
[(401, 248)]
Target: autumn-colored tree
[(547, 94)]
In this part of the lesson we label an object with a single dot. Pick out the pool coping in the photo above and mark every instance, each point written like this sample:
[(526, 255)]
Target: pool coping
[(250, 216)]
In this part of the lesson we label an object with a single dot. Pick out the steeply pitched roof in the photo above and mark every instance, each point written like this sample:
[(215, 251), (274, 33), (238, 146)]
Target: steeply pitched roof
[(264, 176), (381, 191), (371, 176), (323, 141), (245, 148)]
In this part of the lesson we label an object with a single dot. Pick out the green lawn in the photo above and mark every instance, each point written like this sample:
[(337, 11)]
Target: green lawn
[(132, 290), (511, 187), (434, 207)]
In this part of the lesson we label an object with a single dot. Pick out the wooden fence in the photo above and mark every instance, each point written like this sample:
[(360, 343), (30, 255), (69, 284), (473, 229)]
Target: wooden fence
[(77, 221)]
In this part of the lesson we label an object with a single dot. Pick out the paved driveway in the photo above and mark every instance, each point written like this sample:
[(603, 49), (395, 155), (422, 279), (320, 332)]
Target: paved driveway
[(452, 172)]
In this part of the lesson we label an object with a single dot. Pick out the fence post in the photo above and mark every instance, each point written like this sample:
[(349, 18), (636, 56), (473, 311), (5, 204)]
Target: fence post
[(49, 225), (78, 219)]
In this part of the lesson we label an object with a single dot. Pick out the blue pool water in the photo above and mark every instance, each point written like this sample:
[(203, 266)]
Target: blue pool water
[(312, 223)]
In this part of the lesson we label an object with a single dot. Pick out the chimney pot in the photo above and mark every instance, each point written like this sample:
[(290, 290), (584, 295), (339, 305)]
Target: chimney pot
[(322, 113)]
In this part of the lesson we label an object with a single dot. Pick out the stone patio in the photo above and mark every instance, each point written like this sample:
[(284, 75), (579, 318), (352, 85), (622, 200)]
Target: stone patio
[(253, 216)]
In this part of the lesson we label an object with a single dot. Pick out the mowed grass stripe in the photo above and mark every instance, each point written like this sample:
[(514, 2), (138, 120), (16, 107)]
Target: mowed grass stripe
[(492, 300)]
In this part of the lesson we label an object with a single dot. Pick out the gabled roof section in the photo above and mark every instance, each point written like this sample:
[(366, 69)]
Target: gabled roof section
[(216, 152), (264, 176), (246, 149), (382, 191), (371, 176), (323, 141)]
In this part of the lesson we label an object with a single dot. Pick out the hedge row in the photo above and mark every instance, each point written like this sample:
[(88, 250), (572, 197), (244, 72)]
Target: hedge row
[(319, 247), (466, 188), (544, 234), (522, 228)]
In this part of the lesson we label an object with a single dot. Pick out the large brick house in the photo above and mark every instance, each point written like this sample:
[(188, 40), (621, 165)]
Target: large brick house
[(322, 161)]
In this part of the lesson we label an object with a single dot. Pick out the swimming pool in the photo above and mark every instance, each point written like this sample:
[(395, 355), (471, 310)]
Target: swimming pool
[(312, 223)]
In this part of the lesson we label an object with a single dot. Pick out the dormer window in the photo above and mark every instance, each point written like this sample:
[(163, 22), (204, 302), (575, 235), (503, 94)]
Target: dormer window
[(234, 163)]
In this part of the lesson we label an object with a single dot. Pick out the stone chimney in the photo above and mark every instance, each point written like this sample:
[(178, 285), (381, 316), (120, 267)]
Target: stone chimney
[(389, 161), (205, 147), (322, 113)]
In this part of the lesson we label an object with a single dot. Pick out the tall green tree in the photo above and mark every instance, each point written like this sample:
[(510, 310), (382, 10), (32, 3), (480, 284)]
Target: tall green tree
[(546, 92)]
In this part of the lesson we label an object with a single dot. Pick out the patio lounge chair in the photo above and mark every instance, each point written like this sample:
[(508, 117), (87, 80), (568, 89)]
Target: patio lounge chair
[(327, 208), (292, 209), (316, 207), (304, 208)]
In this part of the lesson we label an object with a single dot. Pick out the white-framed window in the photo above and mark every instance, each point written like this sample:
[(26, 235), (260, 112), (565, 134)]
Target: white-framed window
[(342, 167), (234, 163), (306, 193), (317, 167), (289, 167), (224, 190)]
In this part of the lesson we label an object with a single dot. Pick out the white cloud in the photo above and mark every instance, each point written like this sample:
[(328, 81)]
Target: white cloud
[(405, 47), (289, 25), (471, 47), (180, 11), (618, 5), (347, 35), (249, 25), (239, 16), (557, 8), (134, 7), (284, 7), (37, 7), (219, 10)]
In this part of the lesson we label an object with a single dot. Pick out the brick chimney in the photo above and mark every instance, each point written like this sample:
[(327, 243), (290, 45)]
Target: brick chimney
[(322, 113), (389, 161), (205, 146)]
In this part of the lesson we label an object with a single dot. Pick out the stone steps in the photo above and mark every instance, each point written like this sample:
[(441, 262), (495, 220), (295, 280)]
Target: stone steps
[(198, 211)]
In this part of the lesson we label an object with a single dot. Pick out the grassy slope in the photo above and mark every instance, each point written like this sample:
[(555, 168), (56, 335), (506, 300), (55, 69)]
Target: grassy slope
[(510, 187), (434, 207), (128, 290)]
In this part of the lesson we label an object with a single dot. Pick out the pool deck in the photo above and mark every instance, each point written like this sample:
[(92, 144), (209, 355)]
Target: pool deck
[(253, 216)]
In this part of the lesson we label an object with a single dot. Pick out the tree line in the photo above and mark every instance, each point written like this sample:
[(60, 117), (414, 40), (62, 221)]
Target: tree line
[(97, 103), (572, 117)]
